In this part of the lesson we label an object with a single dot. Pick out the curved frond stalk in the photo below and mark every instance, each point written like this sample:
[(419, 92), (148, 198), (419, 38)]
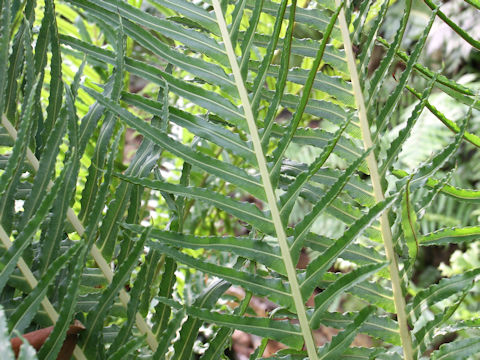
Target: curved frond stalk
[(453, 26), (269, 191), (475, 3), (471, 138), (399, 300), (427, 73), (95, 252)]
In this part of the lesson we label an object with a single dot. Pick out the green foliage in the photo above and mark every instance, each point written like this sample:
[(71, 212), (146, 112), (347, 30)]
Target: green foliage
[(258, 128)]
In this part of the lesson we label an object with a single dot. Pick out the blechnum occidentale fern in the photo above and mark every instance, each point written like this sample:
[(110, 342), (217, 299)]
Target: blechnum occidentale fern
[(144, 255)]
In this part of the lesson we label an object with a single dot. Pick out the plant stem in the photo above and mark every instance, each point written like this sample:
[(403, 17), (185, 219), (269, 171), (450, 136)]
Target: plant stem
[(398, 298), (269, 192)]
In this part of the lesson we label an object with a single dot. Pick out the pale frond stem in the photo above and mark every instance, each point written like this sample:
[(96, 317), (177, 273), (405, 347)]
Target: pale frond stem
[(95, 252), (270, 194), (33, 282), (13, 134), (399, 300)]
